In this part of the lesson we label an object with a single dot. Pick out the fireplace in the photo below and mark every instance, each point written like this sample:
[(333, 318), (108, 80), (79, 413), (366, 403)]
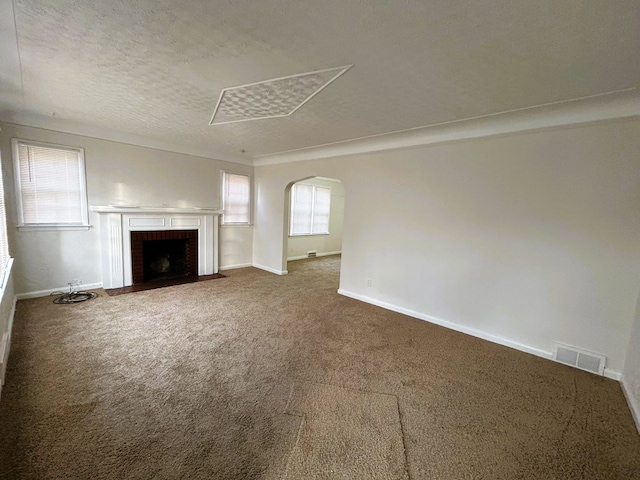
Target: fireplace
[(119, 223), (163, 255)]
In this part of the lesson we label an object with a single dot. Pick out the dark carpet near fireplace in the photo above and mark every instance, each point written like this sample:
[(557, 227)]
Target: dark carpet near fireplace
[(263, 376)]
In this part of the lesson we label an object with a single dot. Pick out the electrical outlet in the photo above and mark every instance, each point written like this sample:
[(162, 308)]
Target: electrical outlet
[(368, 282), (75, 281)]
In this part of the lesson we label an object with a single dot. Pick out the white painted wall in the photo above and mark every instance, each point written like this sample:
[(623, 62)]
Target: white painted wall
[(298, 246), (532, 238), (116, 173), (631, 374)]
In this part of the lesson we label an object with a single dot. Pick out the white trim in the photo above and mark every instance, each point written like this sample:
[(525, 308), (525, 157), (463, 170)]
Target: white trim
[(151, 209), (5, 347), (5, 276), (49, 291), (634, 406), (342, 70), (327, 179), (4, 342), (304, 257), (613, 374), (59, 125), (238, 265), (271, 270), (117, 223), (619, 104)]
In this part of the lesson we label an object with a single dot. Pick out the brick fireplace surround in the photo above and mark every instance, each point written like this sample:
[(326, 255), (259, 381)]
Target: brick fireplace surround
[(140, 239), (118, 222)]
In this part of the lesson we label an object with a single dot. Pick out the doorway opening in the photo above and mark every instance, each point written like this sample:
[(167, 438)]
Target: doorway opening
[(314, 219)]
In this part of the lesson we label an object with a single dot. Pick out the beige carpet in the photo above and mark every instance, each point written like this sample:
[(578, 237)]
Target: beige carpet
[(193, 382), (345, 434)]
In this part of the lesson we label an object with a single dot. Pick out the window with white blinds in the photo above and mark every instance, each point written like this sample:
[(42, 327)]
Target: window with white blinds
[(236, 199), (50, 184), (310, 207), (4, 243)]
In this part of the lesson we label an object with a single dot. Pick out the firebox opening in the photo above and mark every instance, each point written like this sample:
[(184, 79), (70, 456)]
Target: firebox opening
[(165, 259), (163, 255)]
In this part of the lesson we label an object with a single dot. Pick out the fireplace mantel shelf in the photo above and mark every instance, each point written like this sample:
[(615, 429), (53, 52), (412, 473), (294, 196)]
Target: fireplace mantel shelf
[(142, 209)]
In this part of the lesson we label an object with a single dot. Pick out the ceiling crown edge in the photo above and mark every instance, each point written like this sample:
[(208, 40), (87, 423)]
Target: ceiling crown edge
[(620, 104), (102, 133)]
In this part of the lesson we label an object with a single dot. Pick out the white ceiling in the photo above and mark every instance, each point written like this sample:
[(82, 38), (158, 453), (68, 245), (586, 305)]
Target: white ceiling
[(151, 71)]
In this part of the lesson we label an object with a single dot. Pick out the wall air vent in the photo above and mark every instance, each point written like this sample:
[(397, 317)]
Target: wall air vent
[(312, 253), (582, 359), (278, 97)]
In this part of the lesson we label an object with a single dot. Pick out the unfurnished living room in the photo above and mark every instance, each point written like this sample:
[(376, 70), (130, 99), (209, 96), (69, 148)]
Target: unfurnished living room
[(336, 239)]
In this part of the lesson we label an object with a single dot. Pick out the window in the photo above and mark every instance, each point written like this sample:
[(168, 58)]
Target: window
[(310, 206), (4, 244), (50, 185), (236, 199)]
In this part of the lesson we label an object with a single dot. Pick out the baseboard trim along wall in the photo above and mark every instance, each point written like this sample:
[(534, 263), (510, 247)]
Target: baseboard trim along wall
[(632, 402), (271, 270), (303, 257), (45, 293), (232, 267), (613, 374)]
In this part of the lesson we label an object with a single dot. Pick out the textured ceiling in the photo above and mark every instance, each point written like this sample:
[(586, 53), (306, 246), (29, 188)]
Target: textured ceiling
[(156, 68)]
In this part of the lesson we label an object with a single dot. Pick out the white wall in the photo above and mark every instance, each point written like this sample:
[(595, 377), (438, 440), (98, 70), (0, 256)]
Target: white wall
[(532, 238), (631, 375), (116, 173), (298, 246)]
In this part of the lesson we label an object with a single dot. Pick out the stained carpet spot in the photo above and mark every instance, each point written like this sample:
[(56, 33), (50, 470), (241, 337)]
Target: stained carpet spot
[(345, 434)]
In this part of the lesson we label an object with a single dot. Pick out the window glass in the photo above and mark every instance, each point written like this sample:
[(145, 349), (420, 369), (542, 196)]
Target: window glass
[(50, 184)]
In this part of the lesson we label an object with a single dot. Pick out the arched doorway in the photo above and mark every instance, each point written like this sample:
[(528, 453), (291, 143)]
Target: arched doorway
[(314, 217)]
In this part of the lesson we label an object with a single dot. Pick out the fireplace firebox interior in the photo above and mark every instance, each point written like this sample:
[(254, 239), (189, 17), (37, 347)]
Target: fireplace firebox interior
[(163, 255)]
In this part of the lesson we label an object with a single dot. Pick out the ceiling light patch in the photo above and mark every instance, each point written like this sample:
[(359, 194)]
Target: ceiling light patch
[(278, 97)]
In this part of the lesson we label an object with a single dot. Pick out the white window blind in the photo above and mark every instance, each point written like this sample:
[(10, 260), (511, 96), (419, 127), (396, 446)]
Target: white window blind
[(50, 184), (310, 207), (236, 199), (4, 243)]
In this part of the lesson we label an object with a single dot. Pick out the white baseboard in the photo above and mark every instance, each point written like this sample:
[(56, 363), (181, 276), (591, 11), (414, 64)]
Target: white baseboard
[(45, 293), (239, 265), (271, 270), (634, 404), (613, 374), (302, 257)]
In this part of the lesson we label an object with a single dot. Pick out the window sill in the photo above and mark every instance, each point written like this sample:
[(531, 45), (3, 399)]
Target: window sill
[(41, 228), (223, 225), (309, 235)]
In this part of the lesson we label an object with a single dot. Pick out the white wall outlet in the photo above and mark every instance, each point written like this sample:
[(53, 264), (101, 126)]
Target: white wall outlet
[(368, 282), (75, 282)]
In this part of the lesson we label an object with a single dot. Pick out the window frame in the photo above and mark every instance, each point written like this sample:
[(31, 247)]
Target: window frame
[(223, 223), (328, 232), (84, 206), (5, 267)]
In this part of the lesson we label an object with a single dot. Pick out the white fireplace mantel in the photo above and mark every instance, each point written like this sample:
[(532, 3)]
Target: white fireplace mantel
[(118, 221)]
